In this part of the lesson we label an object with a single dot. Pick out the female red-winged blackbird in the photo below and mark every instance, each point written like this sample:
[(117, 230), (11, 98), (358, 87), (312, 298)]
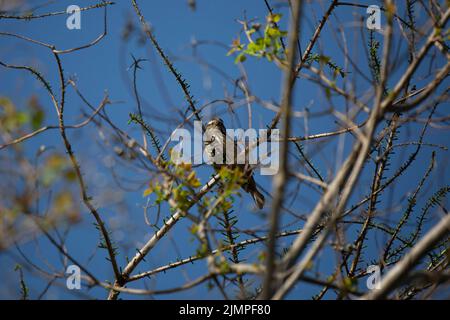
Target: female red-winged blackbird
[(221, 150)]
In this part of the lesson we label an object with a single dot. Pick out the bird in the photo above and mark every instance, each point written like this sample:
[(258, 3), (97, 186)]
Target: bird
[(218, 151)]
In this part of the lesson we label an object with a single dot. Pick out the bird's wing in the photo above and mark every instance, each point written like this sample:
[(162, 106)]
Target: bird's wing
[(232, 150)]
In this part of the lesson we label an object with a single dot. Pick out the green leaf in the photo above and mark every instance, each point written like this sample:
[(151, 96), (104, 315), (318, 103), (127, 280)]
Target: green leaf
[(148, 192), (22, 118), (274, 32), (275, 17), (240, 58), (37, 118)]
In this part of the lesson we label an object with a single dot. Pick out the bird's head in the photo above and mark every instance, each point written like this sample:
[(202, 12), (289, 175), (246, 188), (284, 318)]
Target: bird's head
[(216, 123)]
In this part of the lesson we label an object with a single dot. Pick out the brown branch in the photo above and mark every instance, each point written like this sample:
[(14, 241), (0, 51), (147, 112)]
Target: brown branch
[(27, 136), (348, 175), (85, 197), (405, 265), (184, 86), (157, 236), (280, 180), (52, 14)]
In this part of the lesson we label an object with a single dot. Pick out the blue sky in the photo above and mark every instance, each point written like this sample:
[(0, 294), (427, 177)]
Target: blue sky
[(104, 68)]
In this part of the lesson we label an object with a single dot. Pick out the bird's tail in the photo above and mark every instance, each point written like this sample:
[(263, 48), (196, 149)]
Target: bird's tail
[(251, 188)]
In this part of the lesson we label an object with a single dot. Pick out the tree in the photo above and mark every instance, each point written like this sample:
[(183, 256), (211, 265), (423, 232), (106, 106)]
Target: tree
[(356, 209)]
